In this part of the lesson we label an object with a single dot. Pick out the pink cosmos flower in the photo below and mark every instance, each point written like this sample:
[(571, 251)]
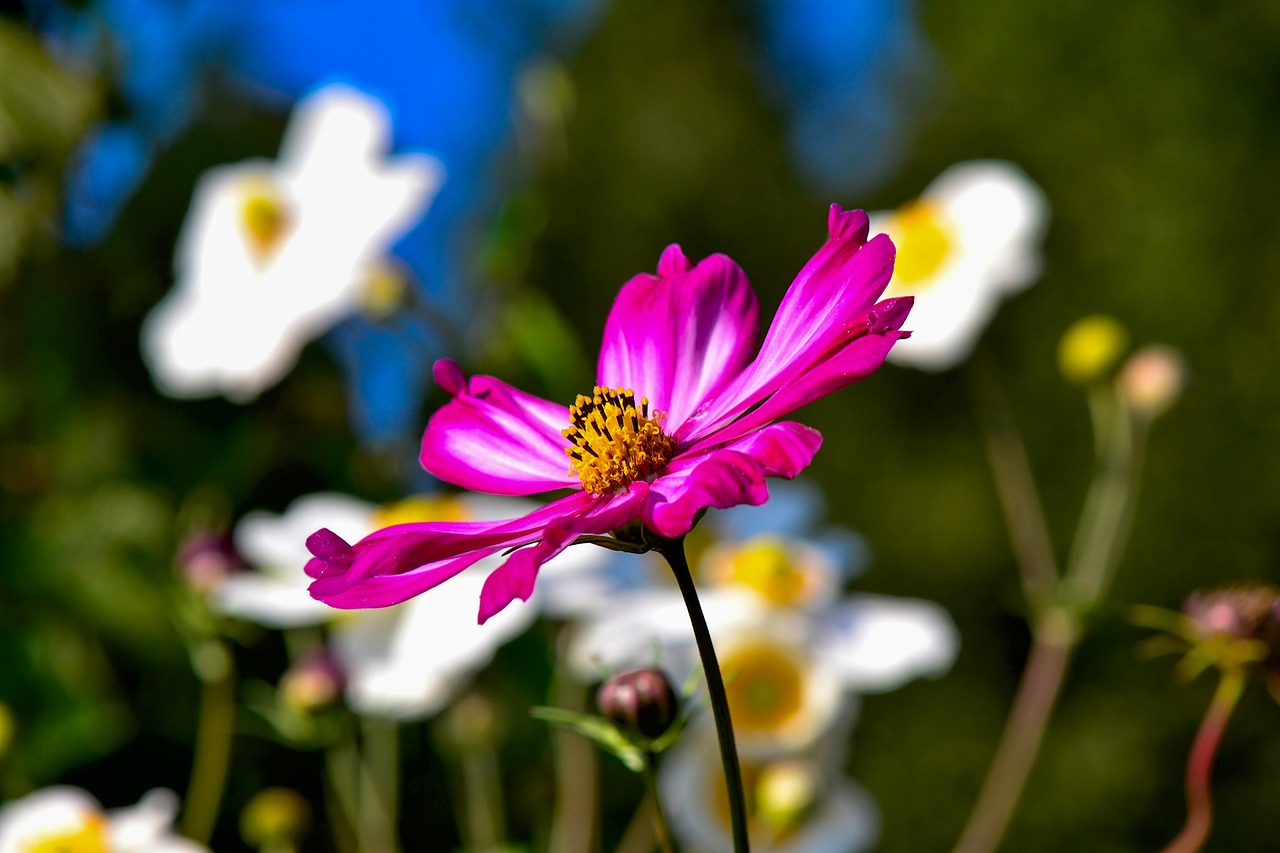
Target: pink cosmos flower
[(682, 418)]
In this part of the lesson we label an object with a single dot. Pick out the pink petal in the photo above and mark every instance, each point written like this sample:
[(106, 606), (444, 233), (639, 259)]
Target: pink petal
[(493, 438), (854, 359), (680, 335), (728, 475), (828, 301), (398, 562), (515, 578)]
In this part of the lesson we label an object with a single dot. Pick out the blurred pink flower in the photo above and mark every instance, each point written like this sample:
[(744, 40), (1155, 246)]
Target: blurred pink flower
[(681, 419)]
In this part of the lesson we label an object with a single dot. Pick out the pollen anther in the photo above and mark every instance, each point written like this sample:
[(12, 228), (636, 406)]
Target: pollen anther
[(615, 440)]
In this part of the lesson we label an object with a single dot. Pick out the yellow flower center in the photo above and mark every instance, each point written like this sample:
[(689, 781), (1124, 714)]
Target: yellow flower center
[(421, 508), (769, 568), (90, 836), (614, 440), (765, 687), (382, 290), (265, 219), (923, 238)]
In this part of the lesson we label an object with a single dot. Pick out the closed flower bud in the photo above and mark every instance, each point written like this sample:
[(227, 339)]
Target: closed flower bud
[(313, 683), (275, 819), (206, 557), (640, 700), (1090, 348), (1152, 380), (1244, 612)]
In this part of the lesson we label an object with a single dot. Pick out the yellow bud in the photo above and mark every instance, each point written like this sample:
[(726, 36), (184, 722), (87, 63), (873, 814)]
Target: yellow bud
[(1090, 348), (1152, 380), (275, 819)]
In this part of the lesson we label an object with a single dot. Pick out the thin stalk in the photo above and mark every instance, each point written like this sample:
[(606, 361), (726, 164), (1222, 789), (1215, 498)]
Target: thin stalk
[(1200, 763), (577, 769), (379, 792), (482, 792), (214, 730), (1020, 743), (342, 770), (660, 825), (1015, 484), (638, 836), (673, 551)]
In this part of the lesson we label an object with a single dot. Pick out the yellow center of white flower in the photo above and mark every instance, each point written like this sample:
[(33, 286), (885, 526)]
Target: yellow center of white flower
[(265, 219), (765, 686), (924, 238), (382, 290), (89, 836), (421, 508), (615, 440), (769, 568)]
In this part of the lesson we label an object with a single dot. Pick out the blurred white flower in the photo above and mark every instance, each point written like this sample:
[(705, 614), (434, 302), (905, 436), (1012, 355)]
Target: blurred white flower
[(794, 804), (971, 238), (68, 820), (274, 254), (406, 661)]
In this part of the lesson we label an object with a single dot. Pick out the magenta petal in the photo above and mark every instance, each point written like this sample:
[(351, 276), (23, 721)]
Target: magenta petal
[(398, 562), (679, 336), (493, 438), (827, 302), (728, 476), (515, 578)]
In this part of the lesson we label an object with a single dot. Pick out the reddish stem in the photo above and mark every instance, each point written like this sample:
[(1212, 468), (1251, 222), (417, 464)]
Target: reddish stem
[(1200, 764)]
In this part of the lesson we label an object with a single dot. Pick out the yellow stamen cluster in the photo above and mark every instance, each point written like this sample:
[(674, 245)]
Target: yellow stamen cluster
[(615, 441), (766, 689)]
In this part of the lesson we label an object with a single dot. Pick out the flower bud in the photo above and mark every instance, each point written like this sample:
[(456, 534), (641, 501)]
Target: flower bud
[(1152, 380), (313, 683), (275, 819), (1244, 612), (639, 700), (1090, 348), (206, 557)]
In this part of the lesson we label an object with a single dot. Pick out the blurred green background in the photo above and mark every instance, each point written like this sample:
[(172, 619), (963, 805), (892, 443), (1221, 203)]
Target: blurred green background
[(1154, 130)]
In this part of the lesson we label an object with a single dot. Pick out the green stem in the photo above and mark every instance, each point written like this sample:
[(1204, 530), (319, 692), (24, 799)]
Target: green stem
[(379, 797), (216, 668), (1200, 763), (660, 825), (1015, 484), (482, 792), (577, 769), (673, 551), (342, 768)]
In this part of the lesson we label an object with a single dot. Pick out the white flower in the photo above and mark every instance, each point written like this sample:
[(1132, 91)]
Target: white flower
[(274, 254), (971, 238), (795, 804), (406, 661), (68, 820)]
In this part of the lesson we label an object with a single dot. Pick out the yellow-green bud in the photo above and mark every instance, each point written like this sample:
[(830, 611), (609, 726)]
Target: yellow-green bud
[(1090, 348), (275, 819)]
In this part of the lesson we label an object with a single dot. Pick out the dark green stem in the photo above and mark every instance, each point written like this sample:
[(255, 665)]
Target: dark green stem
[(660, 825), (673, 551)]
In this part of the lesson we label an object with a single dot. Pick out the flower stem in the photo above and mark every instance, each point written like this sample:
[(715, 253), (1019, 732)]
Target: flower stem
[(573, 826), (660, 825), (379, 787), (673, 551), (215, 667), (1200, 763), (1019, 744)]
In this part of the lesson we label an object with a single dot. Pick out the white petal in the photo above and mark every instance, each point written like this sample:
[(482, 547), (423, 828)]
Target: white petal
[(46, 812), (877, 643)]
